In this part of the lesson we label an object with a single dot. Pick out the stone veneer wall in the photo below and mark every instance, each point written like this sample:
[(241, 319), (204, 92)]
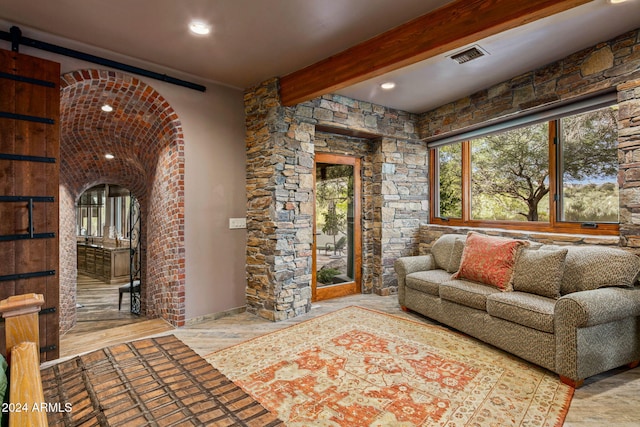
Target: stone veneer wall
[(592, 70), (281, 142), (398, 191), (612, 65), (394, 191), (430, 233), (629, 158), (278, 256)]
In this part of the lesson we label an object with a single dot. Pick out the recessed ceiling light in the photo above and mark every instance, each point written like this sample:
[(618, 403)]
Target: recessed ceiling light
[(388, 85), (617, 1), (200, 28), (107, 108), (109, 156)]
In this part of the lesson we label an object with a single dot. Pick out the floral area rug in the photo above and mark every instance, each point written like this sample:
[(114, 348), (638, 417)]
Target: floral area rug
[(358, 367)]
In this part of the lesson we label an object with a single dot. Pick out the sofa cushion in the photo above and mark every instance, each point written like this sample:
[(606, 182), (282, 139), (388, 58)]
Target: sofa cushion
[(456, 254), (532, 311), (447, 251), (467, 293), (593, 267), (489, 260), (427, 281), (539, 272)]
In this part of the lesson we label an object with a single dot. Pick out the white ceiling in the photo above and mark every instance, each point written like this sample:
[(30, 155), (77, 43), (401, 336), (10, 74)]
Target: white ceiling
[(440, 79), (254, 40)]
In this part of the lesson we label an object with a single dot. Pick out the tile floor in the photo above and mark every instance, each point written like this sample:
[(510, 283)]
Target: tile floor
[(610, 399)]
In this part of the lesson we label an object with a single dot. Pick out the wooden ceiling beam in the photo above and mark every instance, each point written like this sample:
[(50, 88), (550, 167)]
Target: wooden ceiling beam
[(450, 27)]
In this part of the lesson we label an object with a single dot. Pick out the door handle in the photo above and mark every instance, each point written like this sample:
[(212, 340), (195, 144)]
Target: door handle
[(31, 218)]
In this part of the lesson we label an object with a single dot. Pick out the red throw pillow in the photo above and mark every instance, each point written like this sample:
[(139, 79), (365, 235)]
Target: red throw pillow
[(489, 260)]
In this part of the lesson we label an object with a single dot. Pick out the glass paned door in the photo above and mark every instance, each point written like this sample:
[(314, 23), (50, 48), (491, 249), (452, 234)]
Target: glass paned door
[(337, 234)]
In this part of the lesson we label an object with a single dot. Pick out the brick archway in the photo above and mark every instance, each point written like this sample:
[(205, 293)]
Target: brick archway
[(145, 135)]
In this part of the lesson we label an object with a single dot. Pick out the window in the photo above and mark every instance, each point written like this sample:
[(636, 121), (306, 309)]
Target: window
[(95, 210), (90, 212), (450, 180), (555, 175), (510, 175), (588, 183)]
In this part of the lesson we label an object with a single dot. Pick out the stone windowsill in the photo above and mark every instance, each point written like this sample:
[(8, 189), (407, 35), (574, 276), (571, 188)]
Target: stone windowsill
[(429, 232)]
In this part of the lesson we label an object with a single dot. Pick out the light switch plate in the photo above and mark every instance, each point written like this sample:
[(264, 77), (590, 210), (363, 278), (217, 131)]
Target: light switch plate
[(235, 223)]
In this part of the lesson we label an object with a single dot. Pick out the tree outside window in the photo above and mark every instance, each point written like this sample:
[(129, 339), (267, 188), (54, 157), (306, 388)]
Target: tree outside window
[(589, 162), (510, 175), (450, 180), (334, 191)]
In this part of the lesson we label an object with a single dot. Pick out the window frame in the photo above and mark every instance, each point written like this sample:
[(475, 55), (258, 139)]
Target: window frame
[(553, 225)]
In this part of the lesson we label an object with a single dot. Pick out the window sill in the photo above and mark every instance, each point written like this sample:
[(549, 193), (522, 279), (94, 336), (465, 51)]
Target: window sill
[(547, 237), (603, 229)]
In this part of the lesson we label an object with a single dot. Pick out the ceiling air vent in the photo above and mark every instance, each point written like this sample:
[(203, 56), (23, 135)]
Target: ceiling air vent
[(468, 55)]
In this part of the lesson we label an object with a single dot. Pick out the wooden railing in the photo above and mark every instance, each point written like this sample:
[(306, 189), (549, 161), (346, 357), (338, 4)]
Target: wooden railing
[(26, 405)]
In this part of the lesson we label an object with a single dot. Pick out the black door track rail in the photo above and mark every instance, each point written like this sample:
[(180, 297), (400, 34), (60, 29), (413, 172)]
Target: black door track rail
[(16, 38)]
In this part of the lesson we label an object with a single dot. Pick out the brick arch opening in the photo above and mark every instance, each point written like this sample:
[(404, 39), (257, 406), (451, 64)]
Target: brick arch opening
[(145, 135)]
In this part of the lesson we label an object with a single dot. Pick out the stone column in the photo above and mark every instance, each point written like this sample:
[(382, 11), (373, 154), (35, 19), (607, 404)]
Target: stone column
[(404, 202), (629, 158), (279, 206)]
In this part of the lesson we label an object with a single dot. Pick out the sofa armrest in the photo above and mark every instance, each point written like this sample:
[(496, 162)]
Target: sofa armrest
[(411, 264), (408, 265), (598, 306), (596, 330)]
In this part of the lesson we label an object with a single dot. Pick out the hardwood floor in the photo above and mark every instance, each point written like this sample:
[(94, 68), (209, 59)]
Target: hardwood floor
[(100, 323), (73, 344), (99, 301)]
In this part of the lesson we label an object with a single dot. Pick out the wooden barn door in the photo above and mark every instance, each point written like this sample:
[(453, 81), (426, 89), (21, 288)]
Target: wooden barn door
[(29, 180)]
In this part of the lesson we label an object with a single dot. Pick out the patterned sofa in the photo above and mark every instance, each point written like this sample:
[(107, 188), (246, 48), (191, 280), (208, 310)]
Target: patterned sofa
[(573, 310)]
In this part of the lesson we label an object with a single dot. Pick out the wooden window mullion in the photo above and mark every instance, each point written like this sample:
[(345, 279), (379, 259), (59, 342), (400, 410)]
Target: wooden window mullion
[(554, 148), (466, 181)]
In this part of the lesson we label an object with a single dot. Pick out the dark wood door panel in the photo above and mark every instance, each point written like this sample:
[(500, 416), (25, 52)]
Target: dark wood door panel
[(29, 185)]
